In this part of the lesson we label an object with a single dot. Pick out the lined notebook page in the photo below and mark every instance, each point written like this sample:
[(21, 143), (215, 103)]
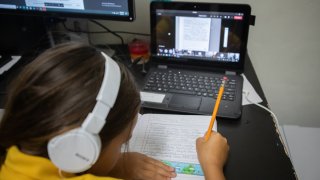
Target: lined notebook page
[(171, 139)]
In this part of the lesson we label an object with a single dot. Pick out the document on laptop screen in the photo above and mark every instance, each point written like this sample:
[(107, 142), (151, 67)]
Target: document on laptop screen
[(171, 139), (197, 34), (193, 33)]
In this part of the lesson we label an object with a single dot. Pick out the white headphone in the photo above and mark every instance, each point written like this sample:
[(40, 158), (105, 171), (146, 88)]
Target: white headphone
[(78, 149)]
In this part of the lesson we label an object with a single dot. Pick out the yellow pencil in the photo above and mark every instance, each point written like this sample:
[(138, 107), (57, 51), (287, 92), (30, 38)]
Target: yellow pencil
[(215, 110)]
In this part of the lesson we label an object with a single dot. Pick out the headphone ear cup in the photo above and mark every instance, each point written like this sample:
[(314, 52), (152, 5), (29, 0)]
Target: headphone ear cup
[(74, 151)]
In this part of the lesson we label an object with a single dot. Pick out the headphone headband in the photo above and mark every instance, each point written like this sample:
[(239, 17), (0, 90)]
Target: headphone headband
[(106, 97), (78, 149)]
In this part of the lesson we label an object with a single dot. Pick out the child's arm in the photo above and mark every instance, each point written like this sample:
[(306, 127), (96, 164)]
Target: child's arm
[(212, 155), (132, 165)]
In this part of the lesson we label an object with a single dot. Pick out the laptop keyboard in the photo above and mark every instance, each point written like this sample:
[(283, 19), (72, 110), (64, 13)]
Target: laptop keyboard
[(174, 81)]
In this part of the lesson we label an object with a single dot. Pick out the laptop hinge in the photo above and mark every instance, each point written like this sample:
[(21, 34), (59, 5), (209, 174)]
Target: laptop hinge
[(162, 66), (231, 73)]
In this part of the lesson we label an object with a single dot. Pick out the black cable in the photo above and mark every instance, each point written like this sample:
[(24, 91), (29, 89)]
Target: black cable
[(107, 29), (101, 32), (134, 33), (135, 61), (86, 32)]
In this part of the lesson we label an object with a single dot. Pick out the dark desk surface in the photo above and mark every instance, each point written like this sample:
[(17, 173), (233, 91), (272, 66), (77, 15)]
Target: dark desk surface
[(256, 151)]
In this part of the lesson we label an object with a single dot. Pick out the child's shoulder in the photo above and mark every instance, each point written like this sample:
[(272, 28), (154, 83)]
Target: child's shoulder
[(91, 177)]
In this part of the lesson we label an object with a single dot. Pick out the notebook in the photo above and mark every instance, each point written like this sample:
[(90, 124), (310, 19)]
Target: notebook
[(172, 140), (194, 45)]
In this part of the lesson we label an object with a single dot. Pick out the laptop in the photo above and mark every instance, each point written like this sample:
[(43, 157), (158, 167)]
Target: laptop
[(194, 46)]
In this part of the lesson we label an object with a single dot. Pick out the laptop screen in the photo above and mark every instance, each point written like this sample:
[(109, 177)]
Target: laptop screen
[(199, 34)]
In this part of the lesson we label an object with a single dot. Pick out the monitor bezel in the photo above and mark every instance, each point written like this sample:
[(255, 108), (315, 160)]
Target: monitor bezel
[(200, 6)]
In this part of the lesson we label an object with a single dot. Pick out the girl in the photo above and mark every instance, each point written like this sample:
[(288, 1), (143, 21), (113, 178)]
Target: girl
[(49, 102)]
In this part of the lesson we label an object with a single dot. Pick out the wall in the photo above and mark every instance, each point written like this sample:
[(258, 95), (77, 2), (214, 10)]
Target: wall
[(284, 47)]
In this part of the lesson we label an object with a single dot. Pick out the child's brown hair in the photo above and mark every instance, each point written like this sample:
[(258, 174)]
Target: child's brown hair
[(55, 92)]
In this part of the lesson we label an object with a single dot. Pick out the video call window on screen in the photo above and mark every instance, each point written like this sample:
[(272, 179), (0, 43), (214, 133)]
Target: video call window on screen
[(213, 36)]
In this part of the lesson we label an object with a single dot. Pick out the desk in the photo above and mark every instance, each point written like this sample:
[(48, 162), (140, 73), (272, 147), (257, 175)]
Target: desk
[(256, 151)]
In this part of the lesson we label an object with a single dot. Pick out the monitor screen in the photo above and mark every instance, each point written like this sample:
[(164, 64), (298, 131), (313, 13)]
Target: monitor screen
[(202, 35), (120, 10)]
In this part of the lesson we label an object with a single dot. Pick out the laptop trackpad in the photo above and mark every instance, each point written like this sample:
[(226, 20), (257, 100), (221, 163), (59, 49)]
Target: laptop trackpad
[(186, 102)]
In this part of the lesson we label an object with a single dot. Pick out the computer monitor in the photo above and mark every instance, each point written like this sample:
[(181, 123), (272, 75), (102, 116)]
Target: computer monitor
[(119, 10), (22, 23)]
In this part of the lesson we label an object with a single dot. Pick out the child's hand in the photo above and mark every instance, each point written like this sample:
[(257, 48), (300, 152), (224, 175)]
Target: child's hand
[(140, 166), (213, 153)]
